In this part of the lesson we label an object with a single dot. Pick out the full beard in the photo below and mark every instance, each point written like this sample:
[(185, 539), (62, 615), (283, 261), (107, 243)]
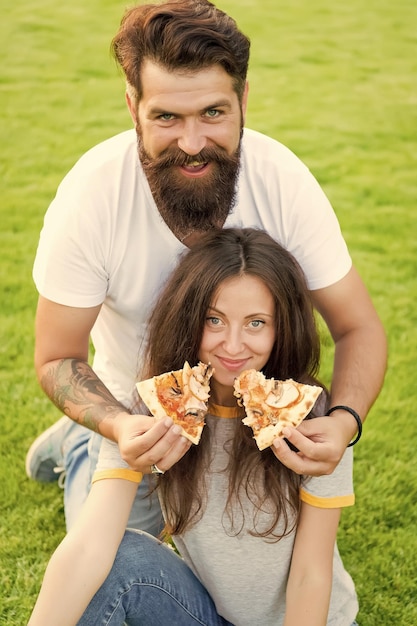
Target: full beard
[(192, 204)]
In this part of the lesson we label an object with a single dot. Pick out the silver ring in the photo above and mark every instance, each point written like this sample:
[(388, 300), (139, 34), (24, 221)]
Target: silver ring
[(155, 469)]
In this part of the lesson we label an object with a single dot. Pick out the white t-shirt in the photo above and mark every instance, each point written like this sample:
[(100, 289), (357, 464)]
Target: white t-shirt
[(247, 575), (104, 242)]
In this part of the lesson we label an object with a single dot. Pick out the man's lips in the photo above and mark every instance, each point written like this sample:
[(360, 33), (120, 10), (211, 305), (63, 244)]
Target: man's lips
[(233, 364), (195, 170)]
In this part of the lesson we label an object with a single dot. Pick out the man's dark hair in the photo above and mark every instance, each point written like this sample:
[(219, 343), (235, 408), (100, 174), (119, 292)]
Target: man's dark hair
[(181, 35)]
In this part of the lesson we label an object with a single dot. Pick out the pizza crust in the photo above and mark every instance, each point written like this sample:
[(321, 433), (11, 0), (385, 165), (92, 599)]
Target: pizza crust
[(271, 404)]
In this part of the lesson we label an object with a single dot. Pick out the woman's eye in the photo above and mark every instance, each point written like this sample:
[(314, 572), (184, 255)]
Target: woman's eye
[(256, 323), (213, 321)]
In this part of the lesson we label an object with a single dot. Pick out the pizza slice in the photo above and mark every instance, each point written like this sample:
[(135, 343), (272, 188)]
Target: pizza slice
[(271, 404), (180, 394)]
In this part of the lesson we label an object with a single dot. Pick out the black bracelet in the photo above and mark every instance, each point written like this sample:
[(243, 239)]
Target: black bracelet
[(354, 414)]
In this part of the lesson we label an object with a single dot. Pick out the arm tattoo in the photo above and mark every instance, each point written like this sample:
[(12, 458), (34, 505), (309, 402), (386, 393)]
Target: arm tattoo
[(76, 390)]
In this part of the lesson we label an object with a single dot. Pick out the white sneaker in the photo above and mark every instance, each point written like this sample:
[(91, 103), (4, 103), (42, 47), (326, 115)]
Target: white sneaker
[(44, 460)]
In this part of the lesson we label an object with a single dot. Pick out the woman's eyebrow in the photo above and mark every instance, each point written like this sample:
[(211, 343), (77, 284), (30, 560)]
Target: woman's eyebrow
[(213, 309)]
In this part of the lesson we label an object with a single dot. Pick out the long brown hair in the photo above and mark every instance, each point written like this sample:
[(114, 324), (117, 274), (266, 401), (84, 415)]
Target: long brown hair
[(174, 336), (181, 35)]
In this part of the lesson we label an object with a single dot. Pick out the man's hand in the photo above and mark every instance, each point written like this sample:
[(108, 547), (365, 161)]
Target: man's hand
[(144, 441), (358, 373), (321, 443)]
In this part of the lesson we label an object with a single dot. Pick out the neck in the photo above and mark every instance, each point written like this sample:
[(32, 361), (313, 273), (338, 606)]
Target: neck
[(192, 237), (222, 395)]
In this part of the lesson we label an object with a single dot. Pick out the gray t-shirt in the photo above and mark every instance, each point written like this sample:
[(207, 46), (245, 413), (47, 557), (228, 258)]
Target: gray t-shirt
[(247, 575)]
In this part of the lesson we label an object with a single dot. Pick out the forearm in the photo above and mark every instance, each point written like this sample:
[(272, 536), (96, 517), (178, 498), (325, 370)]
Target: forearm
[(82, 561), (307, 601), (360, 342), (311, 573), (71, 579), (359, 369), (77, 391)]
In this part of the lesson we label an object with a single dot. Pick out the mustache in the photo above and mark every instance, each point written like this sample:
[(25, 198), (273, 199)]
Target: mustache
[(175, 157)]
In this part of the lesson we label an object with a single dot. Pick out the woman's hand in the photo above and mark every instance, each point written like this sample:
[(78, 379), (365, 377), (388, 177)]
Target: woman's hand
[(144, 441), (321, 443)]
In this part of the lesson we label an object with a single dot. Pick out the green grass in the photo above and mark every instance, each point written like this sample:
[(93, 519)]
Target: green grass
[(334, 81)]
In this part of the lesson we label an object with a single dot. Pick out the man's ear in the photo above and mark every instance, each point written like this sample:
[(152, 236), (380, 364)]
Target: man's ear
[(245, 101), (131, 105)]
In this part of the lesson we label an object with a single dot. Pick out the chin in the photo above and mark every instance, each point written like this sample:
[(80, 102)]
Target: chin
[(228, 380)]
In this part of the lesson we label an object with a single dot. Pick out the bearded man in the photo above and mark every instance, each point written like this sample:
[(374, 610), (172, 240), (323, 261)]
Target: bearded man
[(126, 211)]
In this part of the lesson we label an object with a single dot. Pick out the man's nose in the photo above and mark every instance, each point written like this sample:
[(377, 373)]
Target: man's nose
[(192, 138)]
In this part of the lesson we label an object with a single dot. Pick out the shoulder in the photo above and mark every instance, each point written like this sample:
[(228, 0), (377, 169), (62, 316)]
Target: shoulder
[(111, 156), (274, 171), (111, 148), (260, 148), (92, 195)]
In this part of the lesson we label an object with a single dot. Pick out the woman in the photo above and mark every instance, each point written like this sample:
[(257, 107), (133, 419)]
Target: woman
[(257, 542)]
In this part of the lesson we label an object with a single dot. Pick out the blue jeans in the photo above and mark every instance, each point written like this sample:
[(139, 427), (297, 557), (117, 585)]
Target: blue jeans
[(150, 585), (168, 592), (80, 453)]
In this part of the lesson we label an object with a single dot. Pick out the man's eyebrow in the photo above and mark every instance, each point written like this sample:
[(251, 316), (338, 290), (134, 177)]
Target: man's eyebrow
[(160, 111), (157, 110), (218, 105)]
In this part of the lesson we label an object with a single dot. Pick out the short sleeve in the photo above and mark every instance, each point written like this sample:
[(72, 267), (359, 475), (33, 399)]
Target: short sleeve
[(334, 490), (111, 465)]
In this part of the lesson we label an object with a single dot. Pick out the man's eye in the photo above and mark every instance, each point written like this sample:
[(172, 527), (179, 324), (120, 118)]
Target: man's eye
[(212, 113), (166, 117)]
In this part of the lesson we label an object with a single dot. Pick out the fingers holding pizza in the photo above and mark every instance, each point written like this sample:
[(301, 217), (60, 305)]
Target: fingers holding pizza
[(181, 395), (271, 406), (177, 402), (320, 443), (275, 411), (145, 441)]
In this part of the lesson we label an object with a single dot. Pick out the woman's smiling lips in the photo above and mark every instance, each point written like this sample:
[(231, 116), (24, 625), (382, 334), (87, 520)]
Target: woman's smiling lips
[(233, 364)]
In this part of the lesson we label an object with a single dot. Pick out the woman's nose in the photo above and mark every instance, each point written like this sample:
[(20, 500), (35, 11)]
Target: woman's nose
[(233, 342)]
